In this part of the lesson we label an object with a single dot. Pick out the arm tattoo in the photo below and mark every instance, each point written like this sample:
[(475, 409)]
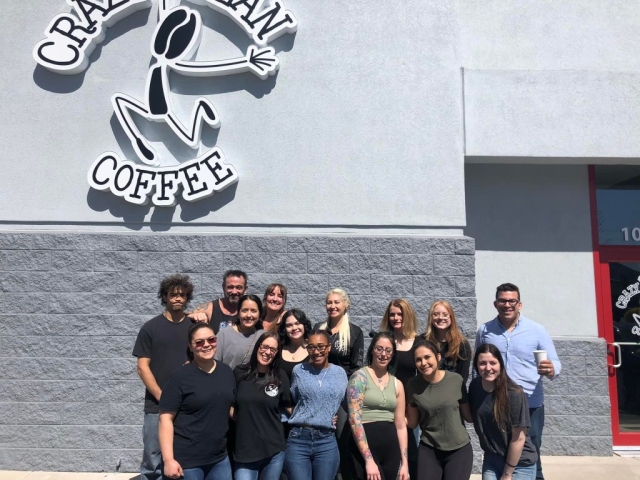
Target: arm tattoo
[(355, 395)]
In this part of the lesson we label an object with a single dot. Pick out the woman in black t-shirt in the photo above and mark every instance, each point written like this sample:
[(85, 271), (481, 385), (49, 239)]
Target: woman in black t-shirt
[(501, 418), (443, 330), (194, 411), (294, 332), (263, 389)]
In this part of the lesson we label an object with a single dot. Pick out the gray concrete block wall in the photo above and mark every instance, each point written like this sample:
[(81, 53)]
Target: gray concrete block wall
[(72, 304)]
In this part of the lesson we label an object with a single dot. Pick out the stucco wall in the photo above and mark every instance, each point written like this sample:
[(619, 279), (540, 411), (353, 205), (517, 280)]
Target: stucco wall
[(532, 227)]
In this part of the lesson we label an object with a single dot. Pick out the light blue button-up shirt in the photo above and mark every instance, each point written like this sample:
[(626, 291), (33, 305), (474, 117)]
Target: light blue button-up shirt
[(517, 349)]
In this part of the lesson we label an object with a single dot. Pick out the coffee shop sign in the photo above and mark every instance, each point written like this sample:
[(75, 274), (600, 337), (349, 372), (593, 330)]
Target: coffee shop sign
[(70, 39)]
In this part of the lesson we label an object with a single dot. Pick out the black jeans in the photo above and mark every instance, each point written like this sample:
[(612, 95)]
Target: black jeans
[(437, 464)]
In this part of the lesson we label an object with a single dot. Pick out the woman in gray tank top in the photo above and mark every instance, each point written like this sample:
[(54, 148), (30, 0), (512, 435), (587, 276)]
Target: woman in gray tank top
[(377, 417)]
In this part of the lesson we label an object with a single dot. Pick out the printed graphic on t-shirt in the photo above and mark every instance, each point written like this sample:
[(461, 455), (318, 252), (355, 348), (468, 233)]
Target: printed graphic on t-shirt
[(224, 325), (271, 390)]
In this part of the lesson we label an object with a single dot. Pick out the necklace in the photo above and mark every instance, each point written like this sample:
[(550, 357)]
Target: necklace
[(324, 372)]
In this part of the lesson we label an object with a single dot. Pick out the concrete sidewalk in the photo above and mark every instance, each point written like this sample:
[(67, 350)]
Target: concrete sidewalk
[(555, 468)]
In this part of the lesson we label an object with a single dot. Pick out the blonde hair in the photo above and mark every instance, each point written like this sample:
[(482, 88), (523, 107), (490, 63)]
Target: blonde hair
[(344, 333), (454, 336), (409, 318)]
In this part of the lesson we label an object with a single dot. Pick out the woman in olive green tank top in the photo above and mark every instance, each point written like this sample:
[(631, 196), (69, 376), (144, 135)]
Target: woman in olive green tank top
[(376, 414)]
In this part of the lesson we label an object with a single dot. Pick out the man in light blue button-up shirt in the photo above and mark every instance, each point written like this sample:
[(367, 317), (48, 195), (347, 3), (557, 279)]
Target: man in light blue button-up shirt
[(516, 336)]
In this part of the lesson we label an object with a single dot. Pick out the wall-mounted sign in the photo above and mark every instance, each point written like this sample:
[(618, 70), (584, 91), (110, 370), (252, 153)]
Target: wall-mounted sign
[(69, 41)]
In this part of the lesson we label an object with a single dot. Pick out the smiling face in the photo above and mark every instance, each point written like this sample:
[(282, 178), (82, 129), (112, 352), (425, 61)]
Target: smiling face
[(508, 305), (176, 299), (440, 317), (426, 361), (488, 367), (382, 353), (275, 300), (335, 306), (248, 315), (318, 348), (395, 318), (293, 328), (234, 288), (267, 351), (203, 344)]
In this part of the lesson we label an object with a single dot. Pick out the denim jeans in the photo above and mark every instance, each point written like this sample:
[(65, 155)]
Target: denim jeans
[(151, 466), (535, 432), (312, 454), (267, 469), (493, 465), (216, 471)]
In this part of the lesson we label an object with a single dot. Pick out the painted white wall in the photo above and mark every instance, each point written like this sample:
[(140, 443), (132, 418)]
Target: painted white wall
[(532, 227), (365, 112)]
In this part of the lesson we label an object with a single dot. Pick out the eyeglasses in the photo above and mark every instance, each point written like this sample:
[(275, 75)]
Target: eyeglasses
[(200, 343), (317, 348), (267, 348), (512, 302), (379, 350), (440, 315)]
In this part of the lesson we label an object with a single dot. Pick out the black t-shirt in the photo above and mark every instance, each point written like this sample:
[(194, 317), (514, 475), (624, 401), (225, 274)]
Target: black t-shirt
[(287, 367), (259, 429), (201, 401), (492, 440), (405, 366), (353, 358), (219, 319), (165, 343), (459, 365)]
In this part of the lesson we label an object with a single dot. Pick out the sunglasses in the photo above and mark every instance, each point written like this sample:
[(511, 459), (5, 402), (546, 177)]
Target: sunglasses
[(211, 341)]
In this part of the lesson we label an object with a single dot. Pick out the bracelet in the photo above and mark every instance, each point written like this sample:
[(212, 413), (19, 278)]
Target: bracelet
[(512, 466)]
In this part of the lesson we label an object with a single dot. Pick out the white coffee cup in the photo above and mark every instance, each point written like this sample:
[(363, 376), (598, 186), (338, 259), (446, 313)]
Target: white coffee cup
[(539, 355)]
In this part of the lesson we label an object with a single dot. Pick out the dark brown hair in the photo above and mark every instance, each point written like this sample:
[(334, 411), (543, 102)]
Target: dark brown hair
[(173, 282)]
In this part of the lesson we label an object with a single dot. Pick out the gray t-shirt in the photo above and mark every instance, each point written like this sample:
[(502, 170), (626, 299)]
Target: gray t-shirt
[(492, 440), (439, 405), (234, 348)]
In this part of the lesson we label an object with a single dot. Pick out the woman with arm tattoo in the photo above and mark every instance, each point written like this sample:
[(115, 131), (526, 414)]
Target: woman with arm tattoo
[(376, 414)]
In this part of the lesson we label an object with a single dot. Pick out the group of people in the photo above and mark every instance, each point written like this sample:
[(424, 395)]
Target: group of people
[(244, 388)]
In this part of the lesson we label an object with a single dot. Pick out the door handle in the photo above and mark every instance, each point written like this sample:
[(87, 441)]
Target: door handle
[(617, 346)]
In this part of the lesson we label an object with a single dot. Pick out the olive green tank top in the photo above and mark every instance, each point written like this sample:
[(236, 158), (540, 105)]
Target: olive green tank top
[(379, 405)]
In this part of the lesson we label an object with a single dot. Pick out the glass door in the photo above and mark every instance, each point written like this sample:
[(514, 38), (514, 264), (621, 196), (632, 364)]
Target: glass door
[(621, 288)]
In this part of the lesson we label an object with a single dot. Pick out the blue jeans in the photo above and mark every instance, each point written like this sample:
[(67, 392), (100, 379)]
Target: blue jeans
[(493, 465), (535, 432), (216, 471), (267, 469), (312, 454), (151, 466)]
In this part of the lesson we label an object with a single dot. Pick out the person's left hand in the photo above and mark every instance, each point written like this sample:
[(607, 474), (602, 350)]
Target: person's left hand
[(404, 473), (546, 369)]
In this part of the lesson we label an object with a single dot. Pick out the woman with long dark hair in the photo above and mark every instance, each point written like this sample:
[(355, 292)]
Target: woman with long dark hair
[(194, 410), (501, 419), (294, 333), (317, 388), (263, 390), (437, 399), (236, 343), (443, 330), (273, 306), (377, 415)]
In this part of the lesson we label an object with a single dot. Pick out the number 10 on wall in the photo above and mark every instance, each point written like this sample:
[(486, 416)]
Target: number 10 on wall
[(635, 234)]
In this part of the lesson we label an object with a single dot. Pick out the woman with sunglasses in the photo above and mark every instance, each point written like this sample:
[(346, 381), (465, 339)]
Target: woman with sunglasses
[(443, 330), (501, 419), (194, 409), (377, 416), (437, 399), (317, 388), (273, 303), (294, 332), (236, 343), (263, 390)]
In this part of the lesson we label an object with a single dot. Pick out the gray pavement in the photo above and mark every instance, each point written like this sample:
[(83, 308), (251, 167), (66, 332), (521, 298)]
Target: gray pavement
[(555, 468)]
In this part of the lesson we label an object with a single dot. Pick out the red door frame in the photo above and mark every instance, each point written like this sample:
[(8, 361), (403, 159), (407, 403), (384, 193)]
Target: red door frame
[(602, 255)]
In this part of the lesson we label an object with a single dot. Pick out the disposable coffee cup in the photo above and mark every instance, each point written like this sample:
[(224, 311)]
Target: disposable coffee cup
[(539, 355)]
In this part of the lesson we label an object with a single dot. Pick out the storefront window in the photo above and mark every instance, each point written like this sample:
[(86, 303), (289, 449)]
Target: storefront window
[(618, 202)]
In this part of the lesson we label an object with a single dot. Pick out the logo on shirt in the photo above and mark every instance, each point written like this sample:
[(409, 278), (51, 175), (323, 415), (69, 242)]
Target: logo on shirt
[(223, 325), (271, 390)]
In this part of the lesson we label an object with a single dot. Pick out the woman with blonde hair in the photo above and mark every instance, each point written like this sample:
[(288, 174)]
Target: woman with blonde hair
[(443, 330), (347, 351), (273, 303)]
